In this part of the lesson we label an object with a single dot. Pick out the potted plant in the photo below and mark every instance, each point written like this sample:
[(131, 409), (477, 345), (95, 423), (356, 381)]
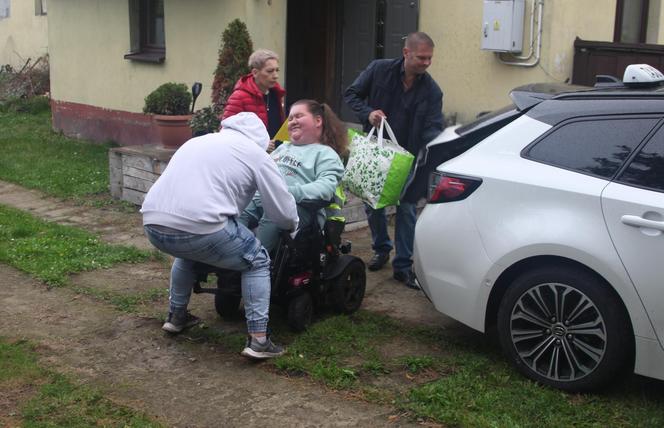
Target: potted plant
[(170, 104)]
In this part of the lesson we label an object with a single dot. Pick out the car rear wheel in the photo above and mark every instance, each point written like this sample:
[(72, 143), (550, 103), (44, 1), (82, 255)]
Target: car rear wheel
[(563, 327)]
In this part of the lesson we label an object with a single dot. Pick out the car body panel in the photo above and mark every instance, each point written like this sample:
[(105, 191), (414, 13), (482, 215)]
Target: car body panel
[(450, 143), (645, 265), (445, 274), (522, 209), (649, 359)]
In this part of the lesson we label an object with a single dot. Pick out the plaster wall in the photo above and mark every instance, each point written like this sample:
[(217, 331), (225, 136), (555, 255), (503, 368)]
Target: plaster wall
[(474, 80), (92, 37), (23, 35)]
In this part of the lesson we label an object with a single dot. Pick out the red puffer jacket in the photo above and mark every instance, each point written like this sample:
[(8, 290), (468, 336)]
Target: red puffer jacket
[(247, 97)]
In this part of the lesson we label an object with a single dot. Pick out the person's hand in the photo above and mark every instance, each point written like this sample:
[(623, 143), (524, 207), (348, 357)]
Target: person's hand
[(375, 117), (270, 146), (293, 234)]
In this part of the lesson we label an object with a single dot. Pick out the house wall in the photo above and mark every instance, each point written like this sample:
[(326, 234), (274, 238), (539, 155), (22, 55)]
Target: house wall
[(92, 82), (98, 94), (23, 35), (91, 38), (474, 80), (656, 19)]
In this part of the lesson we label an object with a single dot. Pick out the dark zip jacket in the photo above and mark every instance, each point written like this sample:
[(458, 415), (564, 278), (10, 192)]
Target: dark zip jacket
[(419, 111)]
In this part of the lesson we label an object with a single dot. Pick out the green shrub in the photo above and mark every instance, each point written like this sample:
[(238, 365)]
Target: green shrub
[(232, 63), (204, 121), (168, 99)]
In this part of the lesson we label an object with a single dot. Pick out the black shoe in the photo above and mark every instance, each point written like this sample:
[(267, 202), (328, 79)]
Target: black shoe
[(378, 261), (408, 278), (178, 321), (258, 351)]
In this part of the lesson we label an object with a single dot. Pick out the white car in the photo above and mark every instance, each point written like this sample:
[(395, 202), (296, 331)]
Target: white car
[(549, 226)]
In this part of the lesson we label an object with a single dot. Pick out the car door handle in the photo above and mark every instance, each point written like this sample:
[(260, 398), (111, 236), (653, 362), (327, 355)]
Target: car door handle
[(636, 221)]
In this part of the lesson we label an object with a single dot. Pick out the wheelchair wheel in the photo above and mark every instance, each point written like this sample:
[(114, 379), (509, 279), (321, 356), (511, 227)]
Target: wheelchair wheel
[(227, 305), (300, 312), (348, 288)]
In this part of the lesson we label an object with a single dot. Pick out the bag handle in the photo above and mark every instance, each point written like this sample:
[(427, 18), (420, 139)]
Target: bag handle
[(385, 126), (371, 133), (381, 130)]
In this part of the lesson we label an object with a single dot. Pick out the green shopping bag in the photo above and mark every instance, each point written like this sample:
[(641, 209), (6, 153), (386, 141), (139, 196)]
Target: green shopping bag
[(377, 168)]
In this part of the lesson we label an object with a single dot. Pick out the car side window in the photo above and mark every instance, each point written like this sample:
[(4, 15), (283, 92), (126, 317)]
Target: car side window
[(647, 167), (597, 147)]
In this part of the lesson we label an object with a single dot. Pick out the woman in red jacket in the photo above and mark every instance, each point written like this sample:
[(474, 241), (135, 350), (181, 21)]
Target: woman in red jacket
[(259, 92)]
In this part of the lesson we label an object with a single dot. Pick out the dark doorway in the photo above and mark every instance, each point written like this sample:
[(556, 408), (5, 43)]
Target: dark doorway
[(311, 50), (330, 42)]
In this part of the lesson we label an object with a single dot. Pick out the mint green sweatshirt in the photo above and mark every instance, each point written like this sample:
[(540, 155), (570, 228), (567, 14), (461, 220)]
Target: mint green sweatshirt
[(311, 171)]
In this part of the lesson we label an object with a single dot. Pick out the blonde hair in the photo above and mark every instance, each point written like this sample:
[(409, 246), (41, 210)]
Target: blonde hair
[(259, 57)]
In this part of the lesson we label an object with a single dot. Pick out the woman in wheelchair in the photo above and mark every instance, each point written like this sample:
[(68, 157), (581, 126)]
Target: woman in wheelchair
[(310, 164)]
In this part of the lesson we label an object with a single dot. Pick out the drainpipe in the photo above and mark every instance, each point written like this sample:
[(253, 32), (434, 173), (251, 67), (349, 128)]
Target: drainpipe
[(539, 6)]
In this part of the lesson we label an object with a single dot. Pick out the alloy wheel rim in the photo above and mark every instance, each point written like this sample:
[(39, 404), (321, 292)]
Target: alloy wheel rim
[(558, 332)]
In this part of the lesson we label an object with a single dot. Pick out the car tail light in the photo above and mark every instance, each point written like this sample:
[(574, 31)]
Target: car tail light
[(445, 187)]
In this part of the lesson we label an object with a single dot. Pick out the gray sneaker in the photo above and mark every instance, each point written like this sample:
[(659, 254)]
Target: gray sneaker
[(179, 320), (253, 349)]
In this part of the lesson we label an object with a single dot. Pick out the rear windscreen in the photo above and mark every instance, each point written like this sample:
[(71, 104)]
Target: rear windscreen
[(483, 118)]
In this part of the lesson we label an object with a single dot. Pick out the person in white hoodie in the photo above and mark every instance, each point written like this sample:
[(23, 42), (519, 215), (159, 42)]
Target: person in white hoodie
[(191, 210)]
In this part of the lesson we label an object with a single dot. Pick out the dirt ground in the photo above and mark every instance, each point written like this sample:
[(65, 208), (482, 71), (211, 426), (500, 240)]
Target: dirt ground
[(183, 384)]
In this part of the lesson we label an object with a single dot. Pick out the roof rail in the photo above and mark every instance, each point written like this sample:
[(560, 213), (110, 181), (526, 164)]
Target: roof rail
[(609, 93)]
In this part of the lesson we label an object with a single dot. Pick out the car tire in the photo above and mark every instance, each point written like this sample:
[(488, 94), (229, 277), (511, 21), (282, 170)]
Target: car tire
[(227, 305), (564, 327), (348, 288), (300, 312)]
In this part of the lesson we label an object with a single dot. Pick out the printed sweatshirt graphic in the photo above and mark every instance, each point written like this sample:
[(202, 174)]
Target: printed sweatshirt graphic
[(311, 171)]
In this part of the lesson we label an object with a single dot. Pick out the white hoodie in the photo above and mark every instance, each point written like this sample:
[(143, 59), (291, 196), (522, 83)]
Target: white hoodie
[(213, 177)]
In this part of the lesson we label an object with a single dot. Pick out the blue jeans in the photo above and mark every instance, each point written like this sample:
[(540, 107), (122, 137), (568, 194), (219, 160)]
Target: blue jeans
[(404, 234), (235, 248)]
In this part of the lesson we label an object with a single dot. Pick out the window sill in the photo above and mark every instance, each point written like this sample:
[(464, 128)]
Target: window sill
[(151, 57)]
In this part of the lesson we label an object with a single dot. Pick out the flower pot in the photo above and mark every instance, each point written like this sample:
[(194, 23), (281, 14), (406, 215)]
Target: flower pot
[(174, 131)]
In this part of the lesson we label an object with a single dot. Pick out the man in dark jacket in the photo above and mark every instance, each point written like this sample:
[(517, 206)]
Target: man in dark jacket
[(401, 91)]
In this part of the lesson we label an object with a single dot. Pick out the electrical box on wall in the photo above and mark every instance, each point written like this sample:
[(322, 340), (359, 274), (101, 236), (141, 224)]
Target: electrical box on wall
[(502, 25)]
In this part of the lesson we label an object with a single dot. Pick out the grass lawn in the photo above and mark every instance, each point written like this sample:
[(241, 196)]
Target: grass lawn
[(429, 374), (43, 398), (50, 252), (458, 381), (36, 157)]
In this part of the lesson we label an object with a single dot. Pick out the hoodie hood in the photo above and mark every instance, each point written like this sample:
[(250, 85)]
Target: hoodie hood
[(250, 126)]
